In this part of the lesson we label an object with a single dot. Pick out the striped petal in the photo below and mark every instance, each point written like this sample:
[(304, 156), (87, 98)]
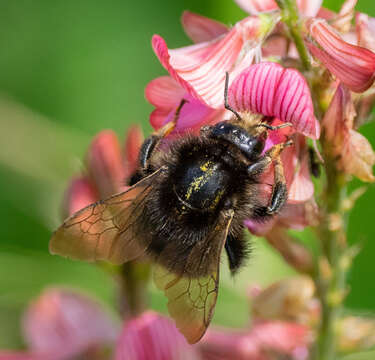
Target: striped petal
[(271, 90), (200, 68), (152, 336), (200, 28), (353, 65)]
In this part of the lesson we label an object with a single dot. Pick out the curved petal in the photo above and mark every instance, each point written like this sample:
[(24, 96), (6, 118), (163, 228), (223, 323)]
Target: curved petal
[(164, 92), (200, 69), (271, 90), (200, 28), (66, 324), (152, 336), (353, 65)]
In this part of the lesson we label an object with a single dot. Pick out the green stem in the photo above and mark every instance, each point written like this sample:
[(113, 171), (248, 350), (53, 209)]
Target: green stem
[(134, 279), (291, 18), (331, 270)]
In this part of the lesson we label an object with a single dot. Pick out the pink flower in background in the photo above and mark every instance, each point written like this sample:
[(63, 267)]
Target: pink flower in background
[(62, 325), (108, 168), (152, 336), (262, 342)]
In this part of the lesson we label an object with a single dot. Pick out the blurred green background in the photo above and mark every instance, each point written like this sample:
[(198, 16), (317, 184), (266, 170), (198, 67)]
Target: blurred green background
[(67, 70)]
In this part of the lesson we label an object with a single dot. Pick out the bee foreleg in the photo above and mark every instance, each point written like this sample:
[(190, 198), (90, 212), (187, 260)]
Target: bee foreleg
[(152, 142), (279, 189)]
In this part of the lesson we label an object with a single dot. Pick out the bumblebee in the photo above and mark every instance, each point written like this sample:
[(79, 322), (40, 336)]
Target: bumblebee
[(185, 206)]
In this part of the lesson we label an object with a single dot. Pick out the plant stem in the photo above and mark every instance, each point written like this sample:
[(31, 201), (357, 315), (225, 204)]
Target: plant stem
[(331, 269), (290, 17), (134, 278)]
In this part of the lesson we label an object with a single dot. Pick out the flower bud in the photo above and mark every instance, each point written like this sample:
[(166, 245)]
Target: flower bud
[(105, 165), (133, 143), (356, 334), (80, 193), (290, 300)]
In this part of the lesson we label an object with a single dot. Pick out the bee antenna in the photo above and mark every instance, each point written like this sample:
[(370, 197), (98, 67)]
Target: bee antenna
[(226, 105)]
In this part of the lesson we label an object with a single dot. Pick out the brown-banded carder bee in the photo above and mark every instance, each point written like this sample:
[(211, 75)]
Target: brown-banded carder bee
[(185, 206)]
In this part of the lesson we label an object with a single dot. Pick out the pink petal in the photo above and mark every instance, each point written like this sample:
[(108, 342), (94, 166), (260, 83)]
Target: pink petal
[(66, 324), (194, 114), (297, 172), (200, 69), (152, 336), (164, 92), (365, 28), (105, 163), (353, 65), (309, 7), (80, 193), (157, 118), (279, 338), (200, 28), (25, 356), (271, 90), (253, 7), (133, 143)]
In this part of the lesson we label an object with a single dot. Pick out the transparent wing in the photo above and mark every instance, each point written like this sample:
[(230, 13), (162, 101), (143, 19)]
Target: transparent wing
[(105, 230), (192, 298)]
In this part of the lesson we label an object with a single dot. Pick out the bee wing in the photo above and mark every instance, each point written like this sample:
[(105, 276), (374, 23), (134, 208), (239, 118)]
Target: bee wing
[(191, 299), (105, 230)]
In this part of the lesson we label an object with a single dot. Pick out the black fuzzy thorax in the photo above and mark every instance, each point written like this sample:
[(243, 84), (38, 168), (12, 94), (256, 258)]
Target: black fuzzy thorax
[(172, 232)]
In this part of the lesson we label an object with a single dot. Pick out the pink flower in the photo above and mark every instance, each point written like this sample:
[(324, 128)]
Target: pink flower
[(200, 68), (166, 94), (353, 65), (306, 7), (354, 152), (271, 90), (152, 336), (279, 338), (108, 168), (61, 325)]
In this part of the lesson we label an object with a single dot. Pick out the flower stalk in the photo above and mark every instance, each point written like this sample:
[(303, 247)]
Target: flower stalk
[(290, 17), (332, 264)]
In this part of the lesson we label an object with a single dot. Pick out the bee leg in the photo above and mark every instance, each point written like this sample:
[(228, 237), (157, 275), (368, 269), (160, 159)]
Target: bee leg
[(151, 143), (279, 190)]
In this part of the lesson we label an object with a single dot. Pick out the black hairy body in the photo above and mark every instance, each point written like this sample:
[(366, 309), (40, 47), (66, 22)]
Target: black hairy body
[(174, 225)]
